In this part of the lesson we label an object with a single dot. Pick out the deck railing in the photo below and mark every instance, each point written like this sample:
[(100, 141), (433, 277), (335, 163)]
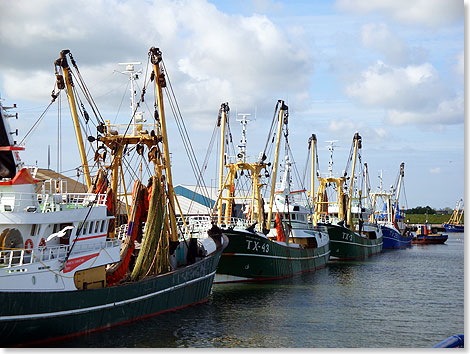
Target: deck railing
[(197, 224), (19, 257), (14, 201)]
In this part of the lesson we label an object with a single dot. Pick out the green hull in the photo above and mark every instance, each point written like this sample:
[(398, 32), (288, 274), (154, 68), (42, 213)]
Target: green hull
[(251, 257), (347, 245), (32, 318)]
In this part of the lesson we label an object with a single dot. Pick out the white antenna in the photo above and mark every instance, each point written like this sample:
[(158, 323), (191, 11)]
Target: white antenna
[(133, 76), (331, 148), (242, 146)]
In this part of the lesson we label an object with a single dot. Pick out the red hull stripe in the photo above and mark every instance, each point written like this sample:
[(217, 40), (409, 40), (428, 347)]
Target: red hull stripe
[(74, 263), (88, 238)]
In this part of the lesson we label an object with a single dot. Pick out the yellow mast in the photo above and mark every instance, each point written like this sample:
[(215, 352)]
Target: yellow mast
[(224, 109), (62, 62), (319, 202), (456, 217), (156, 58), (276, 156), (460, 215), (357, 141), (228, 184)]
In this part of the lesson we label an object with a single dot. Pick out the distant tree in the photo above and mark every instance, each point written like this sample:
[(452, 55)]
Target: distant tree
[(421, 210)]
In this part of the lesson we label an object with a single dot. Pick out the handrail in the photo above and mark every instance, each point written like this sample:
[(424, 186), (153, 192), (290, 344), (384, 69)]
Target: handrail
[(19, 257), (50, 202)]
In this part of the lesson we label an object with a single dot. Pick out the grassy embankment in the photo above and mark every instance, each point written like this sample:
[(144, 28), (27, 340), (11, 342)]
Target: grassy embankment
[(432, 219)]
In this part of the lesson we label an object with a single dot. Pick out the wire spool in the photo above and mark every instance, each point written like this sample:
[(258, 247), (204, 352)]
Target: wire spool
[(11, 239)]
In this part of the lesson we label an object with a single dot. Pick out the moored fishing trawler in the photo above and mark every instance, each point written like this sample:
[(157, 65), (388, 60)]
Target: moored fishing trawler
[(260, 248), (351, 235), (70, 265), (455, 222), (425, 236), (391, 218)]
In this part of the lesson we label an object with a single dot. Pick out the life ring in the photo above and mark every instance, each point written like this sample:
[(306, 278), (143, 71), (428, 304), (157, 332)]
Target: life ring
[(28, 244), (42, 243)]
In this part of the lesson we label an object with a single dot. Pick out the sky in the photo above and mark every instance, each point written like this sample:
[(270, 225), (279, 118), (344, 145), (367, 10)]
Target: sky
[(392, 70)]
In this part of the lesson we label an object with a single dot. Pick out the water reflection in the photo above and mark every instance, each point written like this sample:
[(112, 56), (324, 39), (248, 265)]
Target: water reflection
[(411, 297)]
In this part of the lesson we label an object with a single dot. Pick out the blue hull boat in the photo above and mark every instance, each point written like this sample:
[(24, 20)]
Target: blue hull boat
[(453, 228), (393, 239), (456, 341)]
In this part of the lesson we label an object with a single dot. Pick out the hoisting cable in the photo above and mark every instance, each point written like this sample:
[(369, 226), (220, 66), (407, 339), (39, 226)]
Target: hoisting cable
[(85, 91), (38, 121)]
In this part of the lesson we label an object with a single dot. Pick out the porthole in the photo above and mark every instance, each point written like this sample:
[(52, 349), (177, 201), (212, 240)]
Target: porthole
[(33, 279)]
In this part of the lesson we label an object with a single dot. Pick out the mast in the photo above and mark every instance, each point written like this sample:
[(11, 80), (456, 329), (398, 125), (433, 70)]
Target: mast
[(357, 141), (312, 142), (156, 58), (276, 157), (133, 76), (366, 186), (242, 146), (62, 62), (461, 213), (228, 182), (224, 109), (322, 204), (400, 181)]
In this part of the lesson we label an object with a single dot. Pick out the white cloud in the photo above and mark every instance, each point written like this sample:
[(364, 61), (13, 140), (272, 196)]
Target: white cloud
[(460, 66), (340, 125), (435, 170), (411, 87), (431, 13), (379, 37), (344, 128), (447, 112), (267, 5), (211, 57), (411, 94), (394, 50)]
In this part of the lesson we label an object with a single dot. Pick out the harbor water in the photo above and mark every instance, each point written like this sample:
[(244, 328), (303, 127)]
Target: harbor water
[(407, 298)]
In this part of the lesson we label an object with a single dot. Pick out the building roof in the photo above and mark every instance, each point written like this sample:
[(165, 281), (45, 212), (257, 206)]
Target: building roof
[(43, 174), (196, 200)]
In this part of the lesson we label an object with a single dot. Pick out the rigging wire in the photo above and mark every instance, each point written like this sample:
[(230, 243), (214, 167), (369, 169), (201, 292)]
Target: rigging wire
[(120, 104), (185, 136), (41, 117)]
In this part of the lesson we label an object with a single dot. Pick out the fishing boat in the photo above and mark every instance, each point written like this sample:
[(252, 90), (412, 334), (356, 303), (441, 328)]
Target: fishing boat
[(261, 248), (352, 236), (425, 236), (455, 222), (391, 218), (69, 266)]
